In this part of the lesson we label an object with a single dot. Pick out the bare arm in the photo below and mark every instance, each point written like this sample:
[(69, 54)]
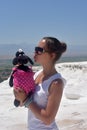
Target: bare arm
[(48, 114)]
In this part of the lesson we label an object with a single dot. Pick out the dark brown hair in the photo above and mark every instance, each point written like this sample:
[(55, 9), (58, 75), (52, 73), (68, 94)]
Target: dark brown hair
[(54, 45)]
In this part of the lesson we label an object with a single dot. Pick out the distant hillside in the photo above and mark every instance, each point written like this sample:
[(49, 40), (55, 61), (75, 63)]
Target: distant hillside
[(8, 50), (76, 50)]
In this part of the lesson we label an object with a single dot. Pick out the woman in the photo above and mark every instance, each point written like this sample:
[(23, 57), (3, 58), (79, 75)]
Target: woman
[(44, 104)]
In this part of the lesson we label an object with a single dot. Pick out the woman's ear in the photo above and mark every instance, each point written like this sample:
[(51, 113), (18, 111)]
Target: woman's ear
[(53, 55)]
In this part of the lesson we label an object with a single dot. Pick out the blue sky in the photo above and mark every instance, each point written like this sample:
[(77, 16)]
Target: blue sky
[(27, 21)]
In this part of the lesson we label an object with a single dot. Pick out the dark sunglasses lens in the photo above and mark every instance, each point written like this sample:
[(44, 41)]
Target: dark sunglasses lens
[(38, 49)]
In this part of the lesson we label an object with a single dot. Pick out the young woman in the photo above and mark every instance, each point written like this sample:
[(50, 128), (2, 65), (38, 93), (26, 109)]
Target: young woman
[(43, 105)]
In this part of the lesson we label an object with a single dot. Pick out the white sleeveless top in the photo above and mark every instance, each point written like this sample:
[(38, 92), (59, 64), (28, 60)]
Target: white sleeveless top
[(41, 98)]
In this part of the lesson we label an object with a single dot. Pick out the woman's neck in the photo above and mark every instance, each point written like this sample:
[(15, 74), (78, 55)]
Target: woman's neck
[(49, 70)]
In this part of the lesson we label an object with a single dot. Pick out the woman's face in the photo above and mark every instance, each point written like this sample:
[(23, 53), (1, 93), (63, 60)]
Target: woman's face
[(42, 56)]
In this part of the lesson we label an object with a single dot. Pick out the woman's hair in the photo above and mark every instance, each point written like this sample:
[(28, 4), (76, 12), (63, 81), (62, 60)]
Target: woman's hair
[(54, 45)]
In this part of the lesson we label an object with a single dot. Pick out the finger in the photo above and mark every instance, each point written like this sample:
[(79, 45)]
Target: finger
[(20, 89), (15, 90)]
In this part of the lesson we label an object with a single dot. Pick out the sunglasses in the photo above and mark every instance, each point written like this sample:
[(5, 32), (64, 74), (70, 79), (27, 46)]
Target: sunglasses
[(39, 50)]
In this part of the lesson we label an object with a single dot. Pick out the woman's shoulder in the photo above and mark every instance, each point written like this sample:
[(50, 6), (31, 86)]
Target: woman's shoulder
[(58, 77)]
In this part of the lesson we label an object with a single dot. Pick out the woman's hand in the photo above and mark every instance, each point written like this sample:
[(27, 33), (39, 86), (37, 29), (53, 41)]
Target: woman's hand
[(20, 94)]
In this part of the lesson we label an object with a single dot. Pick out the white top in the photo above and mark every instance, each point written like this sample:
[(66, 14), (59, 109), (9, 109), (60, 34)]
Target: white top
[(41, 98)]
